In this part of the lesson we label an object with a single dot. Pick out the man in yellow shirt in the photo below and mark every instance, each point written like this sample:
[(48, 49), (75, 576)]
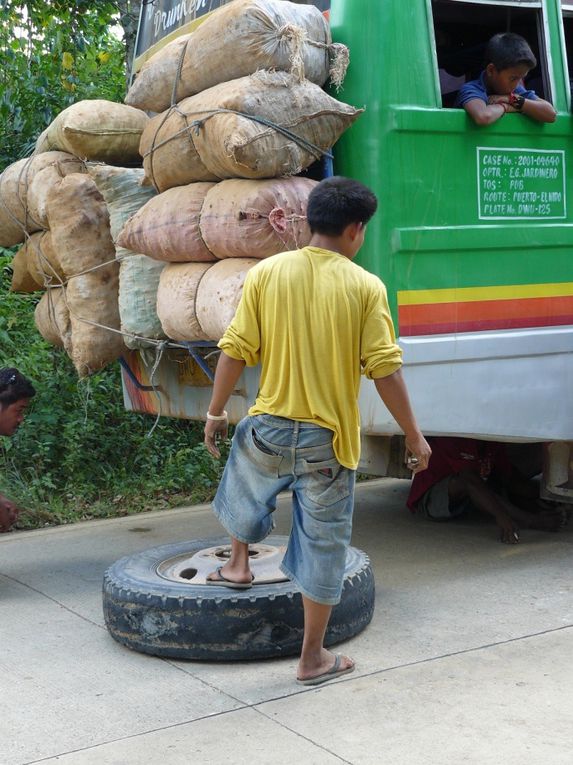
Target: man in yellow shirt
[(315, 321)]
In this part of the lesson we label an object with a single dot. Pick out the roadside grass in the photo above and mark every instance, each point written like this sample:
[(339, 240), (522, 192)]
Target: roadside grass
[(79, 454)]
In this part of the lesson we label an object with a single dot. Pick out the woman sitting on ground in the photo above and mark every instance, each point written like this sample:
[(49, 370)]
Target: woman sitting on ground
[(15, 394)]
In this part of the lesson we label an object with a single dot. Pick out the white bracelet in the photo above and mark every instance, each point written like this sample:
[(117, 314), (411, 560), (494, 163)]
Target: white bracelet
[(218, 417)]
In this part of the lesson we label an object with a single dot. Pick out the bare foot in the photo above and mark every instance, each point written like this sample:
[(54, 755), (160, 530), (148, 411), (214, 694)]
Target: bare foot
[(326, 667)]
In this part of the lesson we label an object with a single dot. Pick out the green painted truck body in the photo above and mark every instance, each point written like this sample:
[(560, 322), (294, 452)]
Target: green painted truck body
[(474, 233)]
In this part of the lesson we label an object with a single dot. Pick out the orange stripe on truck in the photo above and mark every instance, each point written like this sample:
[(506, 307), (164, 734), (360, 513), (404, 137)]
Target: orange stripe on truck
[(480, 315)]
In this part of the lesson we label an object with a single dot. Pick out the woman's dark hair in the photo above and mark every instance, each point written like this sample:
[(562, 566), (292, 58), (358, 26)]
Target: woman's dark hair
[(507, 49), (336, 203), (14, 386)]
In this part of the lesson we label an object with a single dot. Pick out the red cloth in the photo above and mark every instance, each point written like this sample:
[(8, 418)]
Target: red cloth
[(454, 455)]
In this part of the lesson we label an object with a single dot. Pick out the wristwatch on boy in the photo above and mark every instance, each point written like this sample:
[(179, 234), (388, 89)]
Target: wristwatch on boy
[(516, 101)]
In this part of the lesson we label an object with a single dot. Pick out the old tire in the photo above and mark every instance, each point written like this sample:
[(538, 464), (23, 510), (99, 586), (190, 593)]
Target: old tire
[(148, 613)]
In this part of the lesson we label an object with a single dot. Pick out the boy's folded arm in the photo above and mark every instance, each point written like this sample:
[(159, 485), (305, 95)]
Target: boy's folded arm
[(482, 113), (539, 110)]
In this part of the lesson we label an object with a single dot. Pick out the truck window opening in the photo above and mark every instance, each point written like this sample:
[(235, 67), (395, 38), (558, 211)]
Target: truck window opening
[(461, 31), (568, 30)]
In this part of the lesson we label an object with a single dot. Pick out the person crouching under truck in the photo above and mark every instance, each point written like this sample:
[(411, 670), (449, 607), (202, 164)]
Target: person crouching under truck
[(15, 394), (314, 320)]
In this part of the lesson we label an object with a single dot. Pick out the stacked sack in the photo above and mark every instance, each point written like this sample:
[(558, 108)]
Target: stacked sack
[(241, 112), (139, 275), (48, 202), (131, 256)]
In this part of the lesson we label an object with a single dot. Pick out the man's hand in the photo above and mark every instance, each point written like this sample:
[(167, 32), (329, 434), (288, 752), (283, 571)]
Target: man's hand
[(419, 450), (508, 531), (8, 514), (214, 428)]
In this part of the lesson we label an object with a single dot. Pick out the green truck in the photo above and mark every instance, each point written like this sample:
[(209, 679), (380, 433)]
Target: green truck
[(473, 238)]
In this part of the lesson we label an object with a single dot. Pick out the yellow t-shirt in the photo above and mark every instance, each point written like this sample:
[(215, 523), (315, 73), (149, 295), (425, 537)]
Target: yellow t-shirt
[(314, 320)]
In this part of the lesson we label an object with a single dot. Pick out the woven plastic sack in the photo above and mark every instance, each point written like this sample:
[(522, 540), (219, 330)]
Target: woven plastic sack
[(98, 130), (79, 224), (237, 40), (176, 299), (18, 213), (204, 138), (255, 219), (52, 319), (138, 275), (122, 192), (218, 295), (138, 284), (167, 227)]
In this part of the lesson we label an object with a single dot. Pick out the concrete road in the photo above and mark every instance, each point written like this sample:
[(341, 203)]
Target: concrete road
[(469, 657)]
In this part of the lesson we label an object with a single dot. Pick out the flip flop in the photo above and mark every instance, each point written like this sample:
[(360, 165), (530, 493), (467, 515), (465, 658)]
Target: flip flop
[(330, 674), (222, 581)]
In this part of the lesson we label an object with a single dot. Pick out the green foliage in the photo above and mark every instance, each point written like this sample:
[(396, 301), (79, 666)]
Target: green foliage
[(79, 454), (53, 54)]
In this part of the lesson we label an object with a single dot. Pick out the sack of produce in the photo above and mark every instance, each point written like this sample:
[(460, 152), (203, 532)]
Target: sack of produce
[(167, 227), (176, 298), (138, 275), (218, 295), (262, 126), (21, 212), (43, 180), (99, 130), (22, 279), (52, 319), (122, 192), (138, 284), (43, 262), (237, 40), (255, 219), (79, 224)]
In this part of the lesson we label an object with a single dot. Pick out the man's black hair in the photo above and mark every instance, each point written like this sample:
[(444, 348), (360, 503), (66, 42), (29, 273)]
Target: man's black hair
[(336, 203), (14, 386), (507, 49)]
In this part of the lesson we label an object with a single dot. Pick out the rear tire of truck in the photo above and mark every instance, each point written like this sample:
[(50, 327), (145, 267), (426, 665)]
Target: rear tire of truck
[(147, 612)]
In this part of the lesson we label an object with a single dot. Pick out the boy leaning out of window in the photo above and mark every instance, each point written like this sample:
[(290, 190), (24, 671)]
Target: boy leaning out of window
[(499, 88)]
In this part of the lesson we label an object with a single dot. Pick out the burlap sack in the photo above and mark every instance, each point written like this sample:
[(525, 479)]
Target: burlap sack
[(237, 40), (203, 138), (99, 130), (176, 298), (43, 262), (255, 219), (52, 319), (45, 179), (22, 280), (79, 223), (167, 227), (18, 212), (218, 295), (138, 275)]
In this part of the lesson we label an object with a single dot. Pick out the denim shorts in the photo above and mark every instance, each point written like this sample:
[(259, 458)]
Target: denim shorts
[(272, 454)]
